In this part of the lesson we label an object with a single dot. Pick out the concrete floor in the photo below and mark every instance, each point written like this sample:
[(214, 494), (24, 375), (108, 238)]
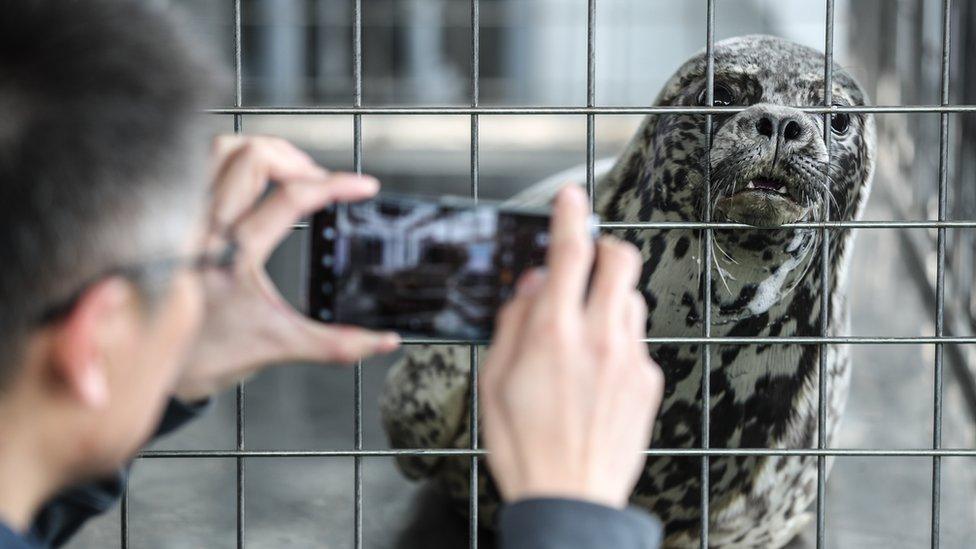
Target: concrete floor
[(872, 502)]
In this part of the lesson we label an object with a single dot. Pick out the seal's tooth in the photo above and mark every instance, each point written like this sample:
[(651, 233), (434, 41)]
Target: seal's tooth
[(751, 185)]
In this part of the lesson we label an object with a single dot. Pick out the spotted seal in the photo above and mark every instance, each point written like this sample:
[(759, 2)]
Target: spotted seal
[(769, 165)]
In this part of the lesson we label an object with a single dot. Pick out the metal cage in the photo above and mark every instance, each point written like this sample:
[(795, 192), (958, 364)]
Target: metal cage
[(357, 110)]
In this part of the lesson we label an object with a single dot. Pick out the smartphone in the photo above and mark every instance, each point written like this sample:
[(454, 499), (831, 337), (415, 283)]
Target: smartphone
[(421, 266)]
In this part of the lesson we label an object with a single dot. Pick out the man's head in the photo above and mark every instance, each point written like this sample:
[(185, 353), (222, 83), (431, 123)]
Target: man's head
[(101, 153)]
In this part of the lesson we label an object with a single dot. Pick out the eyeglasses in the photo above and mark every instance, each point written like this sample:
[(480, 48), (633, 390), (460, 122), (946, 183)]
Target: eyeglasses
[(221, 259)]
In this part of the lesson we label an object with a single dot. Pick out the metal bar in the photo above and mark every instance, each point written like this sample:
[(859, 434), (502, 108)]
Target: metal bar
[(622, 110), (706, 386), (238, 65), (825, 293), (940, 280), (590, 100), (473, 354), (124, 515), (916, 249), (473, 479), (460, 452), (239, 129), (357, 461), (357, 160), (240, 466), (610, 225), (832, 225), (793, 340)]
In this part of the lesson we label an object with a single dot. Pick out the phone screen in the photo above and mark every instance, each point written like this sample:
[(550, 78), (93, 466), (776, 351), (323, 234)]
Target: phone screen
[(420, 267)]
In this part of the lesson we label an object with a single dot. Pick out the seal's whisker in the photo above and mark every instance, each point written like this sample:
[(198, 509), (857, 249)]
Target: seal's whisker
[(806, 268), (721, 272), (810, 171), (727, 256)]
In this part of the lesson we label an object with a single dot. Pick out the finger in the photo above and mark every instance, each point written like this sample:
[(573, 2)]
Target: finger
[(262, 229), (221, 148), (223, 145), (307, 340), (650, 377), (247, 172), (614, 280), (500, 443), (509, 327), (637, 317), (636, 329), (570, 253), (497, 422)]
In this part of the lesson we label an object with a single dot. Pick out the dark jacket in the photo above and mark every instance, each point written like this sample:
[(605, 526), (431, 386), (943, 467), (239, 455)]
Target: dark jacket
[(69, 510), (569, 524), (530, 524)]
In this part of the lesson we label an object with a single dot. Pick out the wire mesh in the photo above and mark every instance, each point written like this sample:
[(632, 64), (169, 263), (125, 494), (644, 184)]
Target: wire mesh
[(705, 452)]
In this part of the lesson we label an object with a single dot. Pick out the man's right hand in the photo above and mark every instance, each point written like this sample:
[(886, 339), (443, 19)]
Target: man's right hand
[(569, 392)]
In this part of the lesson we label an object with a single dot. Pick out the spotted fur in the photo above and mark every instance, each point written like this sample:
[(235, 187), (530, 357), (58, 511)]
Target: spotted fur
[(766, 282)]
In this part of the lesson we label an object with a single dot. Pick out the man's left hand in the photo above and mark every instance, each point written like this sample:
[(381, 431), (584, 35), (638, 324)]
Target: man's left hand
[(248, 324)]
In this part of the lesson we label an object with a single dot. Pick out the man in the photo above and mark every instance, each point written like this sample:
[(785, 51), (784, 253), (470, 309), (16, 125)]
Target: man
[(132, 290)]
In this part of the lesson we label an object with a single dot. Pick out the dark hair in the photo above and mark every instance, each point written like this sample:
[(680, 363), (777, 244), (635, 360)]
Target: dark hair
[(100, 138)]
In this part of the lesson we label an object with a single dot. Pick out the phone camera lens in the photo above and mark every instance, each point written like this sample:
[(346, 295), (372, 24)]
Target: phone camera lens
[(325, 314), (327, 288), (328, 233), (327, 261)]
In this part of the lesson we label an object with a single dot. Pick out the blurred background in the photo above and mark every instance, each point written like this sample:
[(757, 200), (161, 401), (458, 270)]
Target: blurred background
[(533, 53)]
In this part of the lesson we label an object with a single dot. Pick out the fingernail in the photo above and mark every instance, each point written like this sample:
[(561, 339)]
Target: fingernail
[(572, 195), (370, 181), (390, 341), (307, 158), (530, 282)]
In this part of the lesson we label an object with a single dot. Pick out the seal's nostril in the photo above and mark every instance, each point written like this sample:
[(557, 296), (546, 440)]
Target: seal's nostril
[(765, 126), (792, 130)]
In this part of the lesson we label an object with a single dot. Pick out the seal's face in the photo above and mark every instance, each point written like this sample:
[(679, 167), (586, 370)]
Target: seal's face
[(769, 163)]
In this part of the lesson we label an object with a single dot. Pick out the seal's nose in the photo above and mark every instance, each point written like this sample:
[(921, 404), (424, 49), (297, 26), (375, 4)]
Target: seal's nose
[(779, 131), (789, 129)]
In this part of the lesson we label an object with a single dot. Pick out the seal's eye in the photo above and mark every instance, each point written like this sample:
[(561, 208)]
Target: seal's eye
[(840, 123), (723, 96)]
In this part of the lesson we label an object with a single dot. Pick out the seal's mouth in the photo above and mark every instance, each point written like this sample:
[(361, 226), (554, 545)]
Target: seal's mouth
[(763, 201), (765, 185)]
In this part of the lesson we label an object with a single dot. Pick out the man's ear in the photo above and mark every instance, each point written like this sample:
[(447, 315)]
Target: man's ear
[(82, 342)]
